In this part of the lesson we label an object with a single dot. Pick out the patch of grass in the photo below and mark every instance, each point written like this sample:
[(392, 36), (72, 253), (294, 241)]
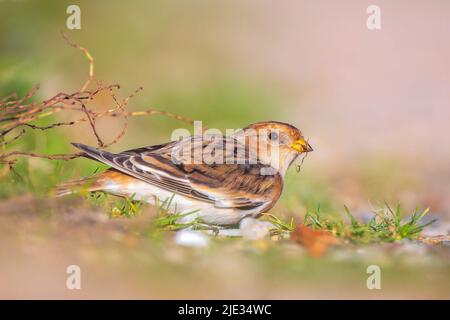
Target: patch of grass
[(126, 207), (117, 206), (280, 227), (387, 225), (170, 222), (168, 218)]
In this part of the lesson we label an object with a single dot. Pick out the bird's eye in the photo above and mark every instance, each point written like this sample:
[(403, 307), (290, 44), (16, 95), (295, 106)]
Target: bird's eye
[(273, 136)]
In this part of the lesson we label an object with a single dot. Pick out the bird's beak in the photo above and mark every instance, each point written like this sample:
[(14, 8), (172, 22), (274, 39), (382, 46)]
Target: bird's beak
[(301, 145)]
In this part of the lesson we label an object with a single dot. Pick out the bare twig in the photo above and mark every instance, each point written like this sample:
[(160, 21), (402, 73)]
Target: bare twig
[(60, 156), (18, 112), (22, 132), (88, 56), (92, 123)]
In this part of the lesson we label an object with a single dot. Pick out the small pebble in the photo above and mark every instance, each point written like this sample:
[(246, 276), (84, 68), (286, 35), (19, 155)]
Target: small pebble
[(190, 238), (253, 229)]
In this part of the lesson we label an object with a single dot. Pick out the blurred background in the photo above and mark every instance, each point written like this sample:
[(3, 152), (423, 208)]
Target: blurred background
[(374, 103)]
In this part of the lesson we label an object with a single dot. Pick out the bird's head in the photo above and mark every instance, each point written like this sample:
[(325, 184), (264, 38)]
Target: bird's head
[(278, 143)]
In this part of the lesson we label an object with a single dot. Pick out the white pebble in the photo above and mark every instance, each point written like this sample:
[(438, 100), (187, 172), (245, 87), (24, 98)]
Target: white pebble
[(190, 238), (253, 229)]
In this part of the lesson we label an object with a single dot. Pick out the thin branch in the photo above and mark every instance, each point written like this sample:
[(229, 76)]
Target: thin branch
[(17, 112), (60, 156), (92, 123), (21, 133), (88, 56)]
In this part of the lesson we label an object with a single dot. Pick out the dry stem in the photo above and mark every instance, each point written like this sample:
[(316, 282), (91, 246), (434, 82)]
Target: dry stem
[(16, 112)]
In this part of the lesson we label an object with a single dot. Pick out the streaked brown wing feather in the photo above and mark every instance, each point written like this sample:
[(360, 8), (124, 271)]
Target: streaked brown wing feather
[(226, 185)]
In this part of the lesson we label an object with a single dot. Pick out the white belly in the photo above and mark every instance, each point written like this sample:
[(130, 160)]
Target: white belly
[(179, 204)]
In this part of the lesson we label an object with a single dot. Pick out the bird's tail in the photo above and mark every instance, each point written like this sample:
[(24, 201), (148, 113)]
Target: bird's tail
[(88, 184)]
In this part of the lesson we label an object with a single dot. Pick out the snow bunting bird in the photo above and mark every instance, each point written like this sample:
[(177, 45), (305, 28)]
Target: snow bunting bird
[(222, 178)]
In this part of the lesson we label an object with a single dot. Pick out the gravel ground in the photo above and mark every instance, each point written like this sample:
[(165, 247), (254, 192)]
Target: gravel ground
[(124, 258)]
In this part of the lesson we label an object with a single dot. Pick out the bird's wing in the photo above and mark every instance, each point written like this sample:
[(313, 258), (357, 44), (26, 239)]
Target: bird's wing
[(176, 167)]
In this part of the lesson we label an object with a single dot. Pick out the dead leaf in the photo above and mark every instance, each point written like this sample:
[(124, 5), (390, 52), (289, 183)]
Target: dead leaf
[(315, 241)]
